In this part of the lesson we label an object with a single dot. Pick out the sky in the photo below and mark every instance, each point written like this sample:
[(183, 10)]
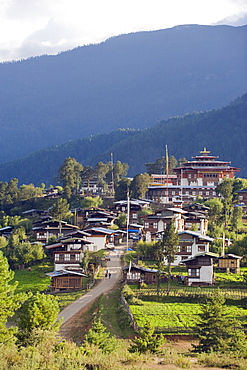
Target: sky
[(35, 27)]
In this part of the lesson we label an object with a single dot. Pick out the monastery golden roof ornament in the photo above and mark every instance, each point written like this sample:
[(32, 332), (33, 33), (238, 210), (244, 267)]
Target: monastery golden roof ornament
[(205, 151)]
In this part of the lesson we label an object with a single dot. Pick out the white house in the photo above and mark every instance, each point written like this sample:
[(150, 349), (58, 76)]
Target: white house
[(200, 269), (190, 244)]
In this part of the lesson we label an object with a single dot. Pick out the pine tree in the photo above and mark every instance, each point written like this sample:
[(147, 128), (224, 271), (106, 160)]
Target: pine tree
[(147, 341), (9, 302), (98, 336), (216, 330), (167, 248)]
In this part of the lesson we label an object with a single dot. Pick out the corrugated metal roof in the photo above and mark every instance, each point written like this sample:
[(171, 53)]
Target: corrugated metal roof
[(64, 272)]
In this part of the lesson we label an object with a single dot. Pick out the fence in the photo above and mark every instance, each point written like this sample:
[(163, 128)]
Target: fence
[(131, 317), (192, 292)]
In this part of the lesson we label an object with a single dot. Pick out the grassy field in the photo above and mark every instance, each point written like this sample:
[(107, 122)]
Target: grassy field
[(34, 280), (175, 314)]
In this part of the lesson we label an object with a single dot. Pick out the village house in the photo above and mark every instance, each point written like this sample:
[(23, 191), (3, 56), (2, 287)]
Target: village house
[(229, 263), (93, 217), (200, 269), (45, 229), (190, 244), (137, 274), (196, 221), (103, 238), (69, 251), (51, 193), (156, 223), (242, 198), (134, 205), (65, 280)]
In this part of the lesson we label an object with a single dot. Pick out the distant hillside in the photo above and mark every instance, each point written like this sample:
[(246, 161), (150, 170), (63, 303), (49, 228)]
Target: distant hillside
[(128, 81), (222, 131)]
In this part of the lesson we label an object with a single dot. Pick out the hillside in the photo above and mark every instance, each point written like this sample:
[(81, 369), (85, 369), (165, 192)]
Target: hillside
[(131, 80), (222, 131)]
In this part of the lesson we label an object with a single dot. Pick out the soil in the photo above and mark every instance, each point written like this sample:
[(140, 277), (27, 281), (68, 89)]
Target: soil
[(75, 329)]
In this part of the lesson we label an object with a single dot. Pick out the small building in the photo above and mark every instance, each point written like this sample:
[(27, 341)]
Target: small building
[(137, 274), (65, 280), (68, 253), (229, 263), (200, 269), (45, 229), (157, 222), (133, 206)]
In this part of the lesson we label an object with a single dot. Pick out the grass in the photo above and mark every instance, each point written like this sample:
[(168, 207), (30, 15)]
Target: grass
[(34, 280), (175, 314)]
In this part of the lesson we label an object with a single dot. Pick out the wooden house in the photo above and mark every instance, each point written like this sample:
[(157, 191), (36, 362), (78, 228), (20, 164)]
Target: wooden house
[(229, 263), (68, 253), (137, 274), (94, 217), (65, 280), (156, 223), (200, 269), (102, 237), (46, 229), (134, 205), (242, 198)]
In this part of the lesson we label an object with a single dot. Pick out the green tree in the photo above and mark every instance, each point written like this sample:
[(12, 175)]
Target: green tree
[(85, 260), (12, 191), (120, 170), (216, 330), (29, 191), (27, 252), (39, 311), (70, 176), (90, 202), (60, 210), (236, 219), (121, 189), (9, 301), (147, 341), (216, 209), (139, 185), (169, 245), (121, 220), (98, 336), (225, 189), (3, 242)]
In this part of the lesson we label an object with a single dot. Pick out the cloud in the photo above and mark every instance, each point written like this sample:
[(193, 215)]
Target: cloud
[(30, 28), (235, 20)]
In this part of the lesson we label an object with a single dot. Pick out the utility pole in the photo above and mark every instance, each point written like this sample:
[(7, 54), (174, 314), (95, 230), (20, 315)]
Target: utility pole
[(112, 175)]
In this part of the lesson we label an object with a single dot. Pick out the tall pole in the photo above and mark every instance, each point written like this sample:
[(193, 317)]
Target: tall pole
[(112, 175), (181, 185), (128, 218), (167, 171)]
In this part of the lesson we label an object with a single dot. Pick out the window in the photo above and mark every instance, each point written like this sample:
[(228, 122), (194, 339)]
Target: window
[(155, 225), (201, 248), (134, 215), (146, 225), (133, 275), (194, 272)]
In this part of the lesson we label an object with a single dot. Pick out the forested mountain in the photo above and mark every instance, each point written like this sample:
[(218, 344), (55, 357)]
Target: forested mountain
[(131, 80), (222, 131)]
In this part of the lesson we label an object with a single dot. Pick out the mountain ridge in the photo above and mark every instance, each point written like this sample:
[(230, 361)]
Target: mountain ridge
[(132, 80), (222, 131)]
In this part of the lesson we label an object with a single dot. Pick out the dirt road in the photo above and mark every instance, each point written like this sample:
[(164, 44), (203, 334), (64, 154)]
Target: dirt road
[(114, 269)]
